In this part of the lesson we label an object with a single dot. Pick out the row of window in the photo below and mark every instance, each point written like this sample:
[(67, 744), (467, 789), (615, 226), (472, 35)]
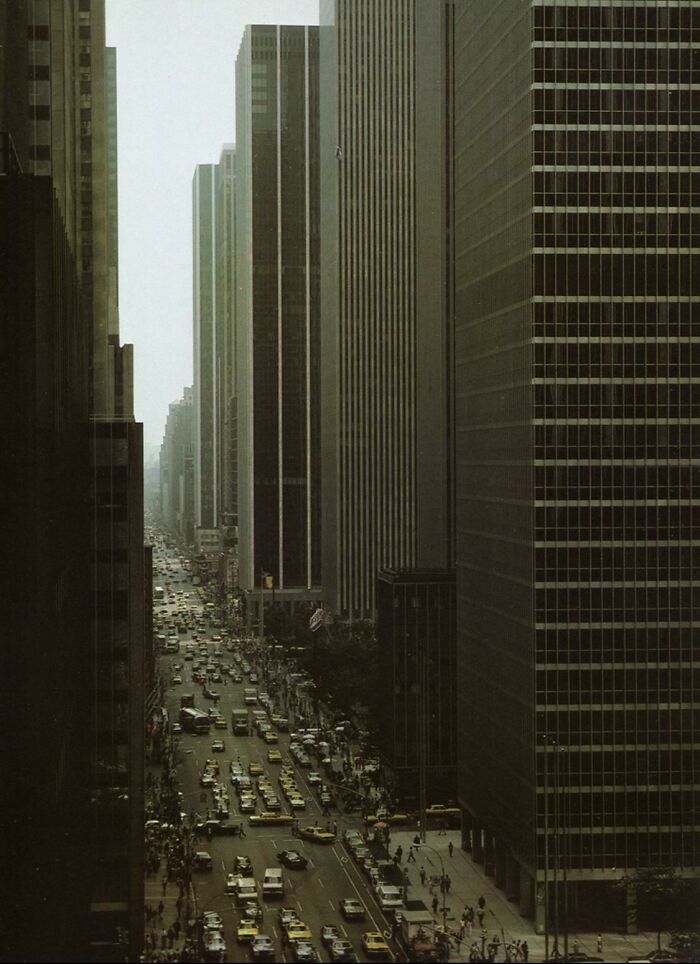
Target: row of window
[(596, 101), (625, 559), (631, 515), (642, 16), (616, 850), (620, 725), (641, 184), (617, 274), (654, 356), (642, 61), (612, 228), (591, 479)]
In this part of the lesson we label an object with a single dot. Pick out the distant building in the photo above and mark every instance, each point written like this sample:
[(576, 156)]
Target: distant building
[(176, 469), (416, 637), (206, 456), (277, 313), (576, 378), (386, 294)]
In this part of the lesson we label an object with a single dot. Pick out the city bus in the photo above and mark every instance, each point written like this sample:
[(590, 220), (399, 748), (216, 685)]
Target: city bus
[(194, 721), (159, 594)]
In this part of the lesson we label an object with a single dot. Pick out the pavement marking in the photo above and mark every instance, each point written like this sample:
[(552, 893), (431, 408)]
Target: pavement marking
[(321, 883), (359, 895), (331, 903)]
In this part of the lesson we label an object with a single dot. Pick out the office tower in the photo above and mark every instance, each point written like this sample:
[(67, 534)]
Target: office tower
[(277, 312), (206, 461), (74, 819), (417, 736), (225, 344), (176, 488), (386, 296), (575, 380)]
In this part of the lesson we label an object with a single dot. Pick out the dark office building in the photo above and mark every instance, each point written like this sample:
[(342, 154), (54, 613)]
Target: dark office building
[(417, 674), (386, 293), (71, 578), (277, 312), (577, 384), (117, 730)]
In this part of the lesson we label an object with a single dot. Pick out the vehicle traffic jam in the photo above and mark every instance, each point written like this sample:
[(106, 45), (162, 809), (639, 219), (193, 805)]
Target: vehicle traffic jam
[(284, 857)]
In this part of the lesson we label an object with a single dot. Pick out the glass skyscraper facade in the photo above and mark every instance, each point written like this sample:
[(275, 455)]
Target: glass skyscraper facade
[(577, 366)]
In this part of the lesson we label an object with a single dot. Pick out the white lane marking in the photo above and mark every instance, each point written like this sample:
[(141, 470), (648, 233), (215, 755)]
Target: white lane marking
[(331, 903), (321, 883), (311, 863), (359, 895), (301, 909)]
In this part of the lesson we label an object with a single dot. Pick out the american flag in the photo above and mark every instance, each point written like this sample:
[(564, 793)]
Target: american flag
[(319, 618)]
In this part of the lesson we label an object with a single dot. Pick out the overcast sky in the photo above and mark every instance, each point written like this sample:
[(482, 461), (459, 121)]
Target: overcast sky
[(175, 69)]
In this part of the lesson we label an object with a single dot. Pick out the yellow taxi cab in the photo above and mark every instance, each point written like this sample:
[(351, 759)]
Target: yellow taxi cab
[(439, 809), (246, 931), (269, 819), (373, 943), (390, 818), (319, 834), (271, 737), (297, 930), (255, 769), (274, 756)]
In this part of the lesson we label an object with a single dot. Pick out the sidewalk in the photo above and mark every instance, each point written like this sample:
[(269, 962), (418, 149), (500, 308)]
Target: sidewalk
[(502, 917)]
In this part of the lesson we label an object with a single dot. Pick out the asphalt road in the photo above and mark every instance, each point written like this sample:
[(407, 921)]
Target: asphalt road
[(331, 874)]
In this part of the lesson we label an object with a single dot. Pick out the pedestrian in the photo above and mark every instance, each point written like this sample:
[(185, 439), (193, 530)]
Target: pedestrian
[(165, 884), (448, 884), (576, 946), (161, 907), (481, 902), (599, 944), (163, 939), (435, 904), (422, 876), (480, 915), (241, 830), (411, 856), (399, 852), (462, 928), (525, 950), (178, 905), (443, 884), (450, 847)]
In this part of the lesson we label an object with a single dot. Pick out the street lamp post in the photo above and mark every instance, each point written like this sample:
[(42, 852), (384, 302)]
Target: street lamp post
[(425, 846)]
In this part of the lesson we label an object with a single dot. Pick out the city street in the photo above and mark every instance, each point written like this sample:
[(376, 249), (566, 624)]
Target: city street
[(332, 875)]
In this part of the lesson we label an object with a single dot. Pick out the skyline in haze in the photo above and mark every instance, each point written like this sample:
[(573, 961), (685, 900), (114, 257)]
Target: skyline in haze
[(176, 108)]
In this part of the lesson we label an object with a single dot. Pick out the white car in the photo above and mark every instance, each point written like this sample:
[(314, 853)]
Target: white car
[(231, 881)]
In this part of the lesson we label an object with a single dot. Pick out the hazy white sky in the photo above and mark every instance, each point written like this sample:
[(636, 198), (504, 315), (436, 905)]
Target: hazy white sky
[(175, 69)]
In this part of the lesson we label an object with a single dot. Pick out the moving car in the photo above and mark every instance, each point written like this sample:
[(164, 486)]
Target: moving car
[(202, 861), (287, 914), (218, 746), (352, 909), (317, 834), (304, 951), (268, 819), (263, 948), (247, 931), (242, 866), (255, 769), (342, 951), (292, 859), (374, 944), (296, 930), (329, 934), (274, 756)]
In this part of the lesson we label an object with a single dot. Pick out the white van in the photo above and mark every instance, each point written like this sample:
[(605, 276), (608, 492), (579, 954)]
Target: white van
[(273, 885)]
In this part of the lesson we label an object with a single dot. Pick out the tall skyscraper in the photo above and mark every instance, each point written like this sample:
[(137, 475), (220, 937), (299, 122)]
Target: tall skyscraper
[(75, 511), (386, 295), (277, 314), (577, 285), (225, 344), (206, 461)]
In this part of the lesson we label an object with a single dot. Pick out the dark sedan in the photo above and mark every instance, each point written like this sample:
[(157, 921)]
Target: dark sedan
[(292, 859)]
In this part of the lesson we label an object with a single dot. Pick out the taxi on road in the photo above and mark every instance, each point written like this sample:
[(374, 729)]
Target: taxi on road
[(246, 931)]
